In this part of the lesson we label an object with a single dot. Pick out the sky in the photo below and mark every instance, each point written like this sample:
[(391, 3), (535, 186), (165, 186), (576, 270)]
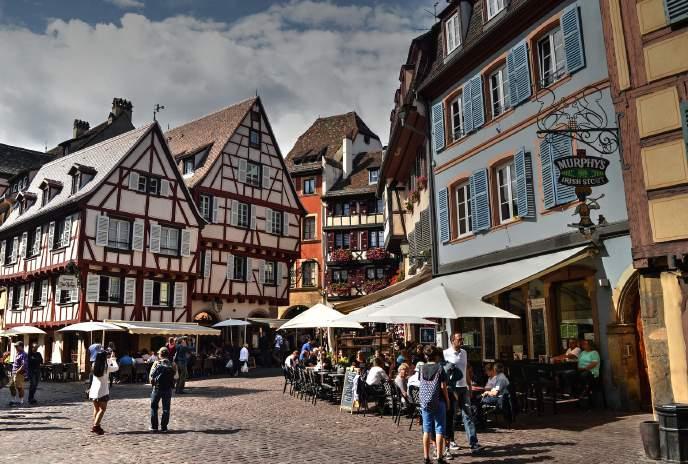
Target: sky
[(66, 59)]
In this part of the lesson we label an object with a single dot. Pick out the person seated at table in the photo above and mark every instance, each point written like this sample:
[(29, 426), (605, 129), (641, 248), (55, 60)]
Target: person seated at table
[(359, 362), (138, 358), (126, 360), (292, 360), (572, 352), (496, 384), (152, 358), (588, 366), (414, 379), (401, 381), (309, 359), (376, 374)]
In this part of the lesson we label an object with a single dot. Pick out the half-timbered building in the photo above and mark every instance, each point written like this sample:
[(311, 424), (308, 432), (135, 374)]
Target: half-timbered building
[(233, 166), (107, 232)]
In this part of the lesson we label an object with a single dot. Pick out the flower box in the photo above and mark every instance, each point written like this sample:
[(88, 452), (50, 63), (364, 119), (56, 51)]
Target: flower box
[(376, 254), (341, 255)]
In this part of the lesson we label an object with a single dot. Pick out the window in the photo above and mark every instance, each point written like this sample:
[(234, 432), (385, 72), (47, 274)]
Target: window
[(254, 138), (494, 7), (342, 240), (340, 276), (457, 117), (551, 57), (275, 222), (270, 274), (499, 91), (206, 207), (376, 238), (76, 181), (37, 292), (62, 236), (308, 270), (188, 165), (506, 192), (243, 215), (119, 234), (346, 209), (33, 242), (309, 228), (162, 293), (17, 296), (45, 196), (169, 241), (452, 30), (253, 174), (110, 289), (463, 209), (239, 268), (376, 206), (373, 175), (143, 184), (375, 273), (308, 186), (148, 184), (66, 296), (10, 252), (255, 116)]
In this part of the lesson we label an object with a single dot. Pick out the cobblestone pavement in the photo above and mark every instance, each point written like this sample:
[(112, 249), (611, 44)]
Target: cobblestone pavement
[(249, 420)]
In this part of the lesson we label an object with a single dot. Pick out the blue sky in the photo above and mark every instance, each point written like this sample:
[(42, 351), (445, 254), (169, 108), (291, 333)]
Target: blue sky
[(306, 58)]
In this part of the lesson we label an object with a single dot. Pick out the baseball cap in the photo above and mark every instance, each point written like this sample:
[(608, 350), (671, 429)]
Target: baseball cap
[(93, 350)]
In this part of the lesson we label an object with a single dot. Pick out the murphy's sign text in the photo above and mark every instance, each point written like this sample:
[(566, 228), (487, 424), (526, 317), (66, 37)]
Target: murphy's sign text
[(585, 171)]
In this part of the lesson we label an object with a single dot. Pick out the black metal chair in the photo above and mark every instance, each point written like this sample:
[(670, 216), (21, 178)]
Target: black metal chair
[(414, 404)]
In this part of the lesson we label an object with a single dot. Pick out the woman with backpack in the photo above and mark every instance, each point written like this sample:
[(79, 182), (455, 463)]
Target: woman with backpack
[(99, 392), (434, 398)]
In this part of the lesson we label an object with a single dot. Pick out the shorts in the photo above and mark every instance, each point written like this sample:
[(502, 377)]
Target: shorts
[(102, 399), (18, 380), (434, 422)]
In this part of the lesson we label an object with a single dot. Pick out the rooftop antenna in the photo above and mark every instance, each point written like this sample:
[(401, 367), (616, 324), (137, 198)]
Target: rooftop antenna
[(434, 12), (156, 110)]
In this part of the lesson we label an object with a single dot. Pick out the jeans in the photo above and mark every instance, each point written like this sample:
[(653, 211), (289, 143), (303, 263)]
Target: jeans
[(34, 378), (166, 397), (451, 415), (181, 382), (434, 420), (464, 403)]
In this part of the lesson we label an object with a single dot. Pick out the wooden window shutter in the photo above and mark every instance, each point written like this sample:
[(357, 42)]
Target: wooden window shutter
[(130, 290), (266, 177), (22, 248), (268, 220), (524, 184), (235, 213), (253, 217), (518, 70), (261, 271), (37, 241), (443, 215), (102, 229), (278, 273), (2, 252), (155, 231), (44, 292), (230, 267), (573, 39), (10, 298), (67, 232), (467, 101), (330, 241), (548, 182), (249, 270), (186, 243), (353, 240), (243, 167), (74, 295), (298, 184), (92, 288), (133, 180), (21, 297), (15, 248), (438, 126), (137, 241), (676, 10), (214, 200), (561, 147), (164, 187), (30, 293), (285, 223), (478, 104), (179, 294), (51, 235), (147, 292), (684, 120), (480, 200), (364, 240), (207, 262)]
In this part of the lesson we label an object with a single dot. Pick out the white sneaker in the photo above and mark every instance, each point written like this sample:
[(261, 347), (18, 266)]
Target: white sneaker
[(447, 455), (453, 446)]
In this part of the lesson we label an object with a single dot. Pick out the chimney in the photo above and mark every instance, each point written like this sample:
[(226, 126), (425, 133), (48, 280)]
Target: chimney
[(347, 157), (120, 105), (80, 127)]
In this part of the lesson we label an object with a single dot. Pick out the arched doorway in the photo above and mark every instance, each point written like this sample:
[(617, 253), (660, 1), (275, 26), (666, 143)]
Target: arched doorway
[(207, 318), (294, 311)]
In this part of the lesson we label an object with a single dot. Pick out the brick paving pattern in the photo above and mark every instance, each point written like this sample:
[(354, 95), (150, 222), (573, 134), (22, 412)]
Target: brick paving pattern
[(249, 420)]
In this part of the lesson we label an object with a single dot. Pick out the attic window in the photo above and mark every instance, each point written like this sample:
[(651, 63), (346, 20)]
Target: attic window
[(81, 175), (373, 175), (188, 165), (254, 138), (49, 188), (255, 116), (452, 33)]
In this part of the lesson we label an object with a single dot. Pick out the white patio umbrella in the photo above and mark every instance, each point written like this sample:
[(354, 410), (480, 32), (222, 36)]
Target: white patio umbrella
[(24, 330), (92, 326), (231, 323), (320, 316), (368, 314)]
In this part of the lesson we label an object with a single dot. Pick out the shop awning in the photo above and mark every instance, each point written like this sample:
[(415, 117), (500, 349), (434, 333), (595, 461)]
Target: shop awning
[(165, 328)]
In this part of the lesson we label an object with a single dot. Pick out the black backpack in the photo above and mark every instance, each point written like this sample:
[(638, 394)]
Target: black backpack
[(163, 377)]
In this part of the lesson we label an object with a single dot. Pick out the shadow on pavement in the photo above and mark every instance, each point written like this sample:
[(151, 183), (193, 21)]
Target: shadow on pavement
[(521, 450), (18, 429), (573, 421), (178, 432)]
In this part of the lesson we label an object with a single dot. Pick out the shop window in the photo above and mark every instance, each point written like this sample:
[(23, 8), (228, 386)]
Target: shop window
[(573, 312)]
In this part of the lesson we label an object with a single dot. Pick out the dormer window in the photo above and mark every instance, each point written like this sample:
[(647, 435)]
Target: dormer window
[(494, 7), (188, 165), (81, 175), (49, 188), (45, 195), (373, 175), (452, 31)]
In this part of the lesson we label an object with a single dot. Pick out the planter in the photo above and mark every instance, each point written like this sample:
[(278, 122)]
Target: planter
[(649, 433)]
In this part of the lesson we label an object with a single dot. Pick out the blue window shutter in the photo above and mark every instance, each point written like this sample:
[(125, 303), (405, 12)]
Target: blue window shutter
[(443, 216), (438, 126), (676, 10), (477, 98), (524, 184), (519, 74), (548, 182), (684, 119), (480, 201), (573, 39), (467, 108), (561, 147)]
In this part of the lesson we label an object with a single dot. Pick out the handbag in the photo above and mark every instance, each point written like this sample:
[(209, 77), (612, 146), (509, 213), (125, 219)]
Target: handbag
[(244, 368)]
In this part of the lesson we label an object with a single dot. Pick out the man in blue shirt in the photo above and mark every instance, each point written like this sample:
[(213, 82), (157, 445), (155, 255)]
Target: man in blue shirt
[(306, 347), (181, 354)]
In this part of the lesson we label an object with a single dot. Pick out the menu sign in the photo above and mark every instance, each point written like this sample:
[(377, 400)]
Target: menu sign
[(347, 403)]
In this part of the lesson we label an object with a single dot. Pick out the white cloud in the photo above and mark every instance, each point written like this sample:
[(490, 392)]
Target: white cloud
[(305, 58), (127, 4)]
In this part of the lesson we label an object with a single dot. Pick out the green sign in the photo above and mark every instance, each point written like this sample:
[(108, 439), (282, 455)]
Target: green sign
[(582, 171)]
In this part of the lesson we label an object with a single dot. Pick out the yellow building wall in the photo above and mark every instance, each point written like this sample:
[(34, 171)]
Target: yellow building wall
[(658, 111), (665, 164), (669, 218), (666, 57), (651, 15)]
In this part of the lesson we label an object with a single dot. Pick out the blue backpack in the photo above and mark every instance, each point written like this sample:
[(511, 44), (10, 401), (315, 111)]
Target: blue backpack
[(429, 391)]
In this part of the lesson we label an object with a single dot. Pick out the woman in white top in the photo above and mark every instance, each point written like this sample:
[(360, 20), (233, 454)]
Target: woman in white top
[(376, 374), (99, 392), (243, 359)]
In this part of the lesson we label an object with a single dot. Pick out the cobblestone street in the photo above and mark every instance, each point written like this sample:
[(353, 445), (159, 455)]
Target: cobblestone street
[(250, 420)]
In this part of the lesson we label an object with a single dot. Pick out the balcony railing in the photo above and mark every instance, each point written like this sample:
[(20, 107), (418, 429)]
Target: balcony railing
[(355, 220), (342, 256)]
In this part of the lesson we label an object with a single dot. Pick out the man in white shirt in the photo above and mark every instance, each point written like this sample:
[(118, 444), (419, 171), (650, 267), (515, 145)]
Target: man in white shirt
[(291, 360), (572, 352), (460, 394), (376, 374), (243, 358)]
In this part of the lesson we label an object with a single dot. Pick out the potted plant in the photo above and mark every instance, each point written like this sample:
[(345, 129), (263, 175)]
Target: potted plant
[(408, 204), (422, 182), (342, 364), (376, 253), (374, 285), (415, 196)]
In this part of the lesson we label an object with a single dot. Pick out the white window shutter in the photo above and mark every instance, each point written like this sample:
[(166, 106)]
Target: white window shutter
[(92, 287), (278, 273), (133, 180), (137, 235), (164, 187), (207, 262), (74, 296), (261, 271), (253, 217), (235, 213), (214, 216), (21, 297), (186, 243), (37, 241), (31, 290), (147, 293), (10, 298), (51, 235), (268, 220), (155, 230), (67, 232), (44, 292), (102, 229), (179, 294), (22, 247), (243, 167), (266, 177), (285, 224), (129, 290), (2, 252), (249, 270), (15, 246), (230, 266)]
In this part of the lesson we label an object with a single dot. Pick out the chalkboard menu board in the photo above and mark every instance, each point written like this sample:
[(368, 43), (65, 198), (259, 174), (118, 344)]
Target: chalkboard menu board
[(347, 403)]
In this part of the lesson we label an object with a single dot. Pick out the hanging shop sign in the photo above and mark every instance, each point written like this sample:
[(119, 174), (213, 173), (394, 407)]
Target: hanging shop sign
[(67, 282), (582, 171)]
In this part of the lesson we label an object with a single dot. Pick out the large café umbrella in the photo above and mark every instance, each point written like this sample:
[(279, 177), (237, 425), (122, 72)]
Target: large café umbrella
[(23, 330), (231, 323), (92, 326), (321, 316)]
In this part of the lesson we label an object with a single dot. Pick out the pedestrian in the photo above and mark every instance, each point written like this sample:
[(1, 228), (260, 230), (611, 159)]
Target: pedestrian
[(180, 360), (100, 387), (243, 358), (162, 380), (35, 361), (277, 352), (433, 401), (171, 346), (460, 396), (20, 368)]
